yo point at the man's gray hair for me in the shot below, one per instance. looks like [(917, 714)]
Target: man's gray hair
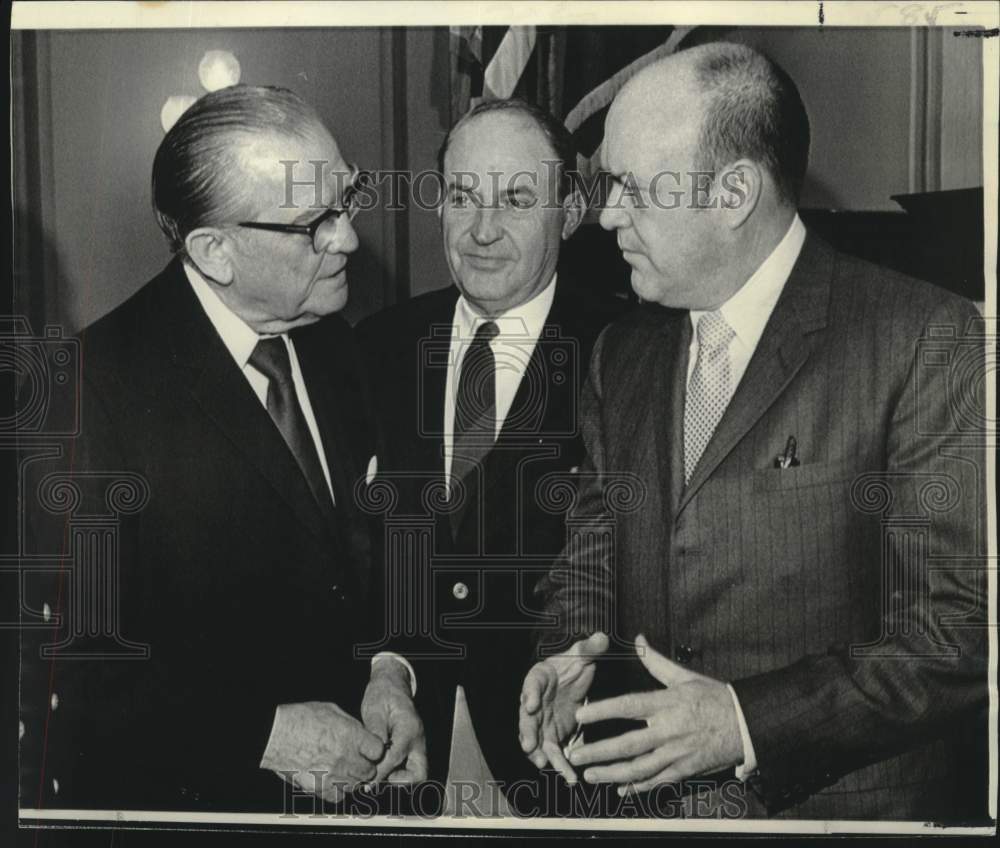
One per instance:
[(197, 173)]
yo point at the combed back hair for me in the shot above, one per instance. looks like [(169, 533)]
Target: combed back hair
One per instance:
[(560, 139), (197, 176), (753, 111)]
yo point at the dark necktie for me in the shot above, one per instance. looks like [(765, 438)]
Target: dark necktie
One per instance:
[(475, 408), (270, 357)]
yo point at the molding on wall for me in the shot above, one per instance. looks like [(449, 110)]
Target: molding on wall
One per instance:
[(945, 111), (925, 110), (395, 225), (35, 281)]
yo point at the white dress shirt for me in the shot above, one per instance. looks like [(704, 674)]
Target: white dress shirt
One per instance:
[(513, 346), (747, 312), (240, 340)]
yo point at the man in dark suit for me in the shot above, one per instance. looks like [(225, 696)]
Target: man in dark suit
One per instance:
[(807, 536), (224, 424), (476, 386)]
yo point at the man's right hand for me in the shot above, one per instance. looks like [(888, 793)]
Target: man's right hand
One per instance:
[(388, 711), (321, 749), (553, 691)]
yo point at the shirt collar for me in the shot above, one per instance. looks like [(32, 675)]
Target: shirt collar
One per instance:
[(238, 337), (747, 311), (524, 321)]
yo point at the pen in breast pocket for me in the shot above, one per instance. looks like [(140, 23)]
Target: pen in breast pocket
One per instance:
[(788, 458)]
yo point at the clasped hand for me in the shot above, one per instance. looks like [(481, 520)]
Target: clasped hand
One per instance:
[(388, 711), (321, 749)]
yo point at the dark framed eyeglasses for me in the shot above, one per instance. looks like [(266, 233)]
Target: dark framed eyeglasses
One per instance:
[(349, 206)]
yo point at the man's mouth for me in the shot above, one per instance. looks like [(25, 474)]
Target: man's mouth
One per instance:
[(484, 262), (335, 272)]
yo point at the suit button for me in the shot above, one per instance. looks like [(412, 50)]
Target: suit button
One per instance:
[(460, 591), (684, 654), (54, 702), (55, 786), (338, 593)]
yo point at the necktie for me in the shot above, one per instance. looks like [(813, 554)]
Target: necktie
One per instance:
[(475, 404), (270, 357), (709, 390)]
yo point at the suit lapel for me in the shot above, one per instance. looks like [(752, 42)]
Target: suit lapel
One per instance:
[(669, 382), (543, 380), (226, 398), (784, 346), (429, 390), (430, 351), (333, 398)]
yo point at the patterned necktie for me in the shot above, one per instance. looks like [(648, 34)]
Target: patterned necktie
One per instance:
[(270, 357), (709, 390), (475, 404)]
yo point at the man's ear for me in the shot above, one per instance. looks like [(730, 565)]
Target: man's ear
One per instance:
[(740, 186), (209, 248), (574, 208)]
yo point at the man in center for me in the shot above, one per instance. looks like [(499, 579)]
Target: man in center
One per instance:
[(477, 386)]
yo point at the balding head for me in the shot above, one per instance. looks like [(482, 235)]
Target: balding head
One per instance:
[(737, 104), (708, 150)]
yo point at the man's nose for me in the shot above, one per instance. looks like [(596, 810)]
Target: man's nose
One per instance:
[(339, 238), (486, 226), (613, 215)]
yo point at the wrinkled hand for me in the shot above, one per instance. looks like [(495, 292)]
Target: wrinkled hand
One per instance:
[(388, 711), (692, 729), (321, 749), (550, 696)]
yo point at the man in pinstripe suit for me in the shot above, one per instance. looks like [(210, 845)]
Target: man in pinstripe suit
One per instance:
[(808, 546)]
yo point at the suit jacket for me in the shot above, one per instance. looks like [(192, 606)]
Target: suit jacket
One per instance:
[(480, 607), (840, 596), (245, 593)]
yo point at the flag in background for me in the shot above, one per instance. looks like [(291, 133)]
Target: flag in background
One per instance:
[(574, 71)]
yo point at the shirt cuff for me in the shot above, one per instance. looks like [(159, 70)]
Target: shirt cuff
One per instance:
[(749, 765), (381, 655)]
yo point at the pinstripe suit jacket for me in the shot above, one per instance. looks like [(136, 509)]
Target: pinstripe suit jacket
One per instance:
[(840, 596)]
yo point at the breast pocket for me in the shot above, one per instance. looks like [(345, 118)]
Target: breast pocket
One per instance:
[(804, 476)]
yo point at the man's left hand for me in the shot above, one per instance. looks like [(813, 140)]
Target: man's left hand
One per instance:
[(692, 729), (388, 711)]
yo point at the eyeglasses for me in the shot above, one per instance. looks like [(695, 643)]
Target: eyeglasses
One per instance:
[(349, 206)]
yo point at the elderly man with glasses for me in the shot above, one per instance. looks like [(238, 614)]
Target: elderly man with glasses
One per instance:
[(229, 388)]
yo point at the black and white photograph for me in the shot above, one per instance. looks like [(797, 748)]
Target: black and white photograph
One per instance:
[(500, 419)]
